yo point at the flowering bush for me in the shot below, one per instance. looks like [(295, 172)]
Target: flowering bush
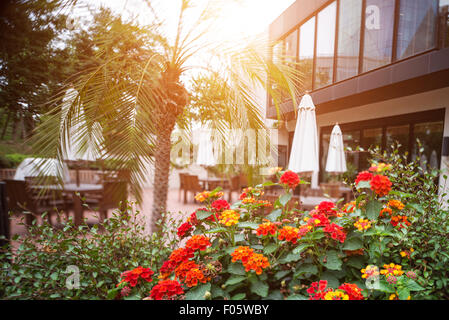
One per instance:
[(333, 252)]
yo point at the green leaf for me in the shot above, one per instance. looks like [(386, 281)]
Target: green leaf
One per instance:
[(297, 297), (331, 279), (412, 285), (353, 244), (285, 198), (239, 296), (274, 215), (233, 279), (113, 293), (198, 292), (201, 214), (357, 262), (363, 185), (403, 293), (239, 237), (270, 248), (290, 257), (248, 225), (217, 230), (260, 288), (306, 269), (237, 269), (373, 209), (300, 248), (274, 295), (280, 274), (333, 262)]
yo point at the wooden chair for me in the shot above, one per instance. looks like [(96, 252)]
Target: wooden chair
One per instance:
[(182, 185), (20, 200), (237, 184), (192, 185), (112, 196)]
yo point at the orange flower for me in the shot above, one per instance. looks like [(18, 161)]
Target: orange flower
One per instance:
[(203, 196), (266, 228), (180, 255), (183, 268), (387, 210), (242, 254), (289, 233), (256, 262), (198, 242), (229, 218), (400, 221), (396, 204), (166, 289), (193, 276)]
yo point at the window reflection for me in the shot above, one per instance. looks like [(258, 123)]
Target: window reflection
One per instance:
[(348, 39), (430, 134), (325, 46), (371, 138), (291, 46), (416, 30), (444, 23), (378, 33), (306, 50), (399, 134)]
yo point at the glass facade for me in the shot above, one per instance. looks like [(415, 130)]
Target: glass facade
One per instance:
[(416, 29), (325, 46), (306, 52), (370, 34), (400, 134), (378, 37), (444, 23), (430, 135), (348, 47)]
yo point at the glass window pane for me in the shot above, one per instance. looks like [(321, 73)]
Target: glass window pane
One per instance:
[(444, 23), (416, 30), (325, 46), (306, 50), (349, 39), (378, 33), (430, 134), (291, 42), (371, 139), (399, 134)]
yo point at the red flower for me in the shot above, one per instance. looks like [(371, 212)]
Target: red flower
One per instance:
[(363, 176), (167, 268), (354, 292), (183, 268), (198, 242), (289, 233), (184, 229), (336, 232), (291, 179), (318, 219), (327, 208), (220, 205), (266, 228), (318, 290), (400, 221), (193, 276), (132, 276), (381, 185), (166, 289)]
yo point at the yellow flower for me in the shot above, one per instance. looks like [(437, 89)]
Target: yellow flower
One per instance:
[(392, 297), (201, 197), (362, 224), (370, 271), (229, 218), (392, 270), (336, 295)]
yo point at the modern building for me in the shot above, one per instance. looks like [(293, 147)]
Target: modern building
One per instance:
[(378, 68)]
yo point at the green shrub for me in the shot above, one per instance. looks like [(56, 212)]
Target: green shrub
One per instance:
[(41, 265), (15, 159)]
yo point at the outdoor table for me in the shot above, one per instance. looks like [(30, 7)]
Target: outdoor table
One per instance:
[(77, 192), (206, 183)]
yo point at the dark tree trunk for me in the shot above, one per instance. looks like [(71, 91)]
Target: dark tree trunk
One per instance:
[(5, 126), (161, 174)]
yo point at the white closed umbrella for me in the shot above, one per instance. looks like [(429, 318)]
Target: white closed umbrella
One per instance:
[(304, 151), (336, 160), (33, 167), (205, 155)]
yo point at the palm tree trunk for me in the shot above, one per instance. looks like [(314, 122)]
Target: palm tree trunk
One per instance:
[(161, 173)]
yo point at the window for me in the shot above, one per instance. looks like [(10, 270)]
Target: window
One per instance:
[(399, 134), (306, 51), (416, 30), (444, 23), (430, 135), (291, 48), (371, 138), (348, 39), (325, 46), (378, 39)]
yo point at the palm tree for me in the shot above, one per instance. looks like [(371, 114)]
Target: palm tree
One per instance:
[(139, 99)]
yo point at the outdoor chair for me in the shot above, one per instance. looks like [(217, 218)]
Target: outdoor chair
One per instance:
[(113, 196), (20, 200), (237, 184), (192, 185), (182, 185)]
